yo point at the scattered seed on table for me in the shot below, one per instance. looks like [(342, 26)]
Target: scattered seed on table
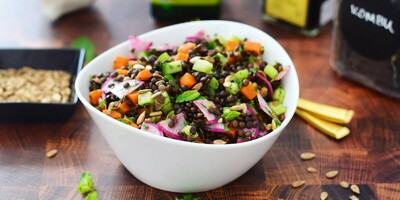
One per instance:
[(352, 197), (324, 195), (307, 156), (355, 189), (297, 184), (331, 174), (311, 169), (51, 153), (344, 184)]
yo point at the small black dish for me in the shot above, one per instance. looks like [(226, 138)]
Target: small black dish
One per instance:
[(69, 60)]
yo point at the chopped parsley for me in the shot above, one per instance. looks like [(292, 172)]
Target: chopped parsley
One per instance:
[(189, 95), (230, 115)]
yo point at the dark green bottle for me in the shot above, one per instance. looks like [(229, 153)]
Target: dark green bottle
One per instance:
[(183, 10)]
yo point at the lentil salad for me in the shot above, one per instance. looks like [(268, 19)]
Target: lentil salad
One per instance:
[(206, 90)]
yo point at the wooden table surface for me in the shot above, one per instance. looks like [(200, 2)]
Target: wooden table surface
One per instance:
[(368, 157)]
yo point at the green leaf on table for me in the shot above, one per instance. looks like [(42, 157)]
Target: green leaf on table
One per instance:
[(187, 197), (189, 95), (86, 183), (92, 196), (87, 44)]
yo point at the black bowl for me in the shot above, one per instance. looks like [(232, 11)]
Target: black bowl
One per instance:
[(69, 60)]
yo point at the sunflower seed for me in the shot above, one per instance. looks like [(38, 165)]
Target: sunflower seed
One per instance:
[(298, 183), (194, 59), (344, 184), (156, 95), (197, 86), (140, 119), (307, 156), (160, 82), (324, 195), (331, 174), (157, 75), (144, 91), (51, 153), (138, 66), (127, 78), (219, 141), (157, 113), (237, 107), (355, 189), (311, 169), (352, 197)]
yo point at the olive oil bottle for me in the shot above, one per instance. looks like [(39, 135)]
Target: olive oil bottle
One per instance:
[(305, 16), (183, 10)]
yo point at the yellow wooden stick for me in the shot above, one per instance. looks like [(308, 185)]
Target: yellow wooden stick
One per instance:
[(326, 112), (331, 129)]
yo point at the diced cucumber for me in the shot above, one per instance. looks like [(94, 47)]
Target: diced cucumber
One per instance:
[(163, 57), (145, 99), (226, 109), (167, 105), (221, 39), (186, 130), (233, 88), (270, 71), (143, 54), (172, 67), (170, 114), (203, 66), (221, 58), (242, 74), (277, 107), (279, 95), (213, 83), (236, 38)]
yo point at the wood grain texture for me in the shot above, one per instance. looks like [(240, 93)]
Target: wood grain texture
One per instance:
[(368, 157)]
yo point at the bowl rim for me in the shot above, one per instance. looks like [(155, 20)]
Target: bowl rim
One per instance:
[(288, 116)]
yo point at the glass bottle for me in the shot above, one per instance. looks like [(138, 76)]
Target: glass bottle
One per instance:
[(305, 16), (366, 43), (182, 10)]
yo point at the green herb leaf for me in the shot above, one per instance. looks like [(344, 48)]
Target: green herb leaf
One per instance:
[(251, 59), (125, 120), (87, 44), (92, 196), (145, 126), (171, 80), (254, 70), (230, 115), (187, 197), (102, 103), (252, 105), (155, 119), (200, 98), (86, 183), (189, 95), (210, 91)]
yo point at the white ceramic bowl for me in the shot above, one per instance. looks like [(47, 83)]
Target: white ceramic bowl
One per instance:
[(179, 166)]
